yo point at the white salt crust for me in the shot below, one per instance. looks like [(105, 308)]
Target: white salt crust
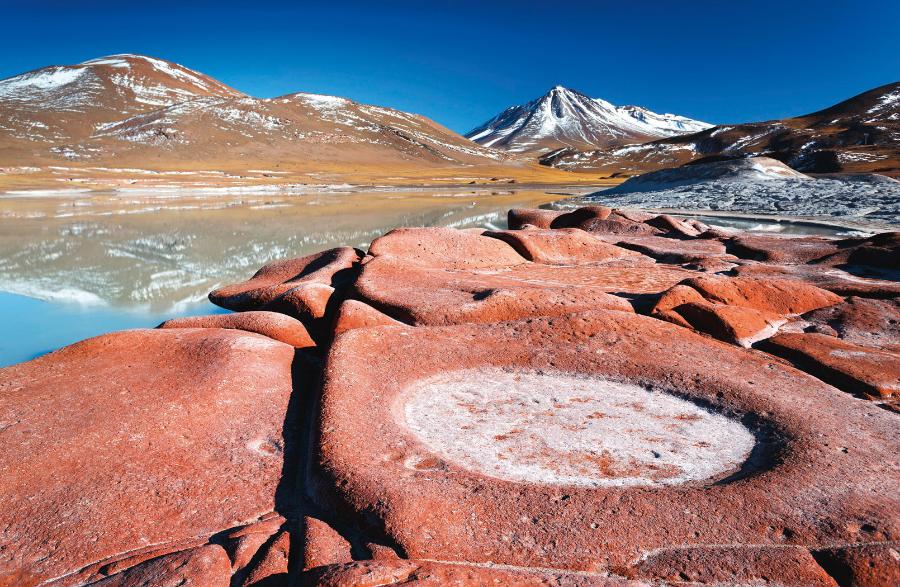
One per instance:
[(561, 429)]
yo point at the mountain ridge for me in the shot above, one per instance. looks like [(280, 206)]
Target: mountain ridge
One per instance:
[(859, 134), (134, 111)]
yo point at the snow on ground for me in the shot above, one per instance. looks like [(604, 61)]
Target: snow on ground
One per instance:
[(759, 188), (561, 429)]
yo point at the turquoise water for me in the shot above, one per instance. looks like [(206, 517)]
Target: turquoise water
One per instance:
[(34, 327)]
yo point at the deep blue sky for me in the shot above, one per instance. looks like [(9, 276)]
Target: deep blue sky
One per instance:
[(461, 62)]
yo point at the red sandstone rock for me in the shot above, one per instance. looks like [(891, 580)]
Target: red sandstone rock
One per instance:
[(432, 296), (734, 324), (734, 565), (207, 566), (322, 545), (712, 264), (781, 249), (516, 218), (476, 443), (619, 223), (676, 296), (863, 566), (579, 216), (331, 267), (714, 233), (881, 250), (381, 552), (562, 246), (311, 303), (670, 250), (353, 314), (634, 215), (271, 569), (853, 368), (244, 544), (139, 438), (832, 279), (414, 572), (272, 324), (444, 247), (674, 226), (768, 295), (861, 321)]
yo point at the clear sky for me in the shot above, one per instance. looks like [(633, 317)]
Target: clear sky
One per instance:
[(460, 62)]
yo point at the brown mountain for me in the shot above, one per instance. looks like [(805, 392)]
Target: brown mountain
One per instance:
[(861, 134), (90, 123)]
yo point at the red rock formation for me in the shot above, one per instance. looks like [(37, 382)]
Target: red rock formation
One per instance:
[(444, 247), (669, 250), (864, 565), (520, 426), (861, 321), (778, 249), (207, 566), (733, 565), (410, 573), (562, 246), (853, 368), (353, 314), (279, 277), (734, 324), (768, 295), (272, 324), (829, 470), (520, 217), (138, 438), (434, 295)]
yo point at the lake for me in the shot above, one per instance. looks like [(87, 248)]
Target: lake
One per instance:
[(79, 265)]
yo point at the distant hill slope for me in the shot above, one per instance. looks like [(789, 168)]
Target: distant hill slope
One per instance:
[(59, 103), (566, 118), (132, 111), (861, 134)]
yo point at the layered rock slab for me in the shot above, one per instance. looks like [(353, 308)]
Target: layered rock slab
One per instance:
[(805, 481), (436, 295), (861, 321), (206, 566), (276, 326), (307, 288), (562, 246), (856, 369), (412, 573), (136, 439)]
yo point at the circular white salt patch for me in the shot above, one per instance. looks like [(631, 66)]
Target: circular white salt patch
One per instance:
[(564, 429)]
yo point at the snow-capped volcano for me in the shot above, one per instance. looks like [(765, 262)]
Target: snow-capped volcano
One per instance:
[(566, 118), (860, 134)]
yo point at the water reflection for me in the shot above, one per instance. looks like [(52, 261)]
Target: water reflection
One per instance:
[(164, 252), (75, 267)]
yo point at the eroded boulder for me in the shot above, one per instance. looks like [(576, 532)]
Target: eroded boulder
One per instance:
[(856, 369), (507, 432), (137, 439), (562, 246), (444, 247), (275, 325), (432, 296)]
